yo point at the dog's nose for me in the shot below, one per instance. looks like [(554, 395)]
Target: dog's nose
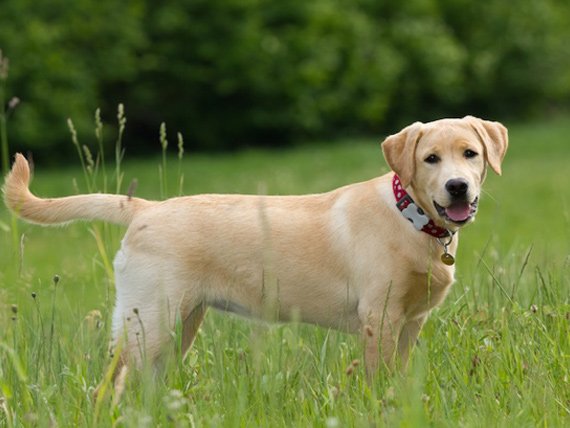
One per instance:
[(457, 187)]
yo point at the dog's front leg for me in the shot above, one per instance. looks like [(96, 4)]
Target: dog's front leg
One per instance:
[(408, 338), (380, 332)]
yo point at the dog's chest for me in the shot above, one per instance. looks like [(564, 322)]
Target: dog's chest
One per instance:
[(425, 290)]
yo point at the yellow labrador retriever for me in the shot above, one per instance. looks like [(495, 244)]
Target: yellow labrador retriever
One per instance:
[(371, 258)]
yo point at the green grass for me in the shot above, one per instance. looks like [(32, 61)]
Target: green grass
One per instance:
[(497, 353)]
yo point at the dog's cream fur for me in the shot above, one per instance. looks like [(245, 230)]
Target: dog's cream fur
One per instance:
[(346, 259)]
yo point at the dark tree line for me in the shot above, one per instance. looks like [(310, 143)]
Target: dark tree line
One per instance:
[(228, 73)]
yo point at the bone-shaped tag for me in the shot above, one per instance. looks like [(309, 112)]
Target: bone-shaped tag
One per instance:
[(412, 212)]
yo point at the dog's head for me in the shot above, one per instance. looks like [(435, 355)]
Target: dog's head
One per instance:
[(444, 164)]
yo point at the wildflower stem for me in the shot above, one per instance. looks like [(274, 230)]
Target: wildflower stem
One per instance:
[(3, 116), (52, 322), (3, 132), (4, 148)]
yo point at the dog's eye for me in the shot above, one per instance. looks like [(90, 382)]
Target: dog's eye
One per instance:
[(432, 159), (469, 154)]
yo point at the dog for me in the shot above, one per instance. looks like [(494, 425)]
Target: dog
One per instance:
[(371, 258)]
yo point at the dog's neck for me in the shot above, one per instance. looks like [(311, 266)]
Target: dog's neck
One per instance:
[(414, 213)]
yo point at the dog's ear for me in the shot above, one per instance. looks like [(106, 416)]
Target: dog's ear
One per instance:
[(495, 140), (400, 149)]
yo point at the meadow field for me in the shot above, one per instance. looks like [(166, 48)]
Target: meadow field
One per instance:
[(496, 353)]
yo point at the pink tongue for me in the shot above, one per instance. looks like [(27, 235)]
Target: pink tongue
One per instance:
[(458, 212)]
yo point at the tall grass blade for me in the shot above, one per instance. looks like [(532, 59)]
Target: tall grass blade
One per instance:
[(119, 151), (180, 157), (101, 155), (162, 176), (75, 142)]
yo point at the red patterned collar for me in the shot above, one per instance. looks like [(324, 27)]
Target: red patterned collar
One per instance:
[(414, 213)]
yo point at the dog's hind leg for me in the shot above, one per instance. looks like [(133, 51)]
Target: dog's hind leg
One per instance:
[(150, 297), (141, 315), (138, 345)]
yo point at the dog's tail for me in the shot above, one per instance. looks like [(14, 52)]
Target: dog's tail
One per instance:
[(118, 209)]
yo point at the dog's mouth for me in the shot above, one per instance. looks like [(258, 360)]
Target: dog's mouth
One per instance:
[(458, 212)]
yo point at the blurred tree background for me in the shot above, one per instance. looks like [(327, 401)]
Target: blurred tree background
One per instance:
[(230, 73)]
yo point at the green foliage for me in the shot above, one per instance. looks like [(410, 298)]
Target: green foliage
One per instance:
[(65, 57), (227, 73)]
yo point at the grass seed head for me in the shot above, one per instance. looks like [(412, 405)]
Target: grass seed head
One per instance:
[(475, 361), (163, 138), (73, 132), (352, 366), (132, 188), (121, 117), (13, 103), (4, 66), (180, 146), (14, 312), (93, 319), (98, 124), (88, 159)]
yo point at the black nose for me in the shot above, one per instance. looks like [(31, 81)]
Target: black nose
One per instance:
[(457, 187)]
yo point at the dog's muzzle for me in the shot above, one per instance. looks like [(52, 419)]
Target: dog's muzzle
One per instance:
[(459, 211)]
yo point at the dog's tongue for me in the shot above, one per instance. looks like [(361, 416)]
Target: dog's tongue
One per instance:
[(458, 212)]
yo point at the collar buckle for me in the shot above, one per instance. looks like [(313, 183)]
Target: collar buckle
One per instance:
[(404, 202)]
